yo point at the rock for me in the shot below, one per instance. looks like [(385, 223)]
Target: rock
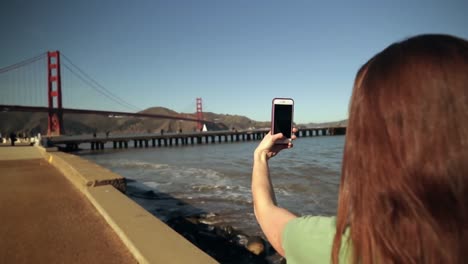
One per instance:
[(220, 242), (148, 195), (229, 230), (192, 220), (255, 245), (207, 215), (174, 214), (242, 240)]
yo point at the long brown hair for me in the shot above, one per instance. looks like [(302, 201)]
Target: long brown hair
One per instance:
[(404, 185)]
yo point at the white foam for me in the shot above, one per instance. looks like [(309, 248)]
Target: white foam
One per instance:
[(132, 164), (153, 185)]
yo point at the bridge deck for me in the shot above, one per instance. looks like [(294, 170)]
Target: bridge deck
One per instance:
[(167, 139)]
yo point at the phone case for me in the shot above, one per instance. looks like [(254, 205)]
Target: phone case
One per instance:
[(285, 141)]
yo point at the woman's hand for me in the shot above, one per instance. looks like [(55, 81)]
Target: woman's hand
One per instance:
[(268, 149)]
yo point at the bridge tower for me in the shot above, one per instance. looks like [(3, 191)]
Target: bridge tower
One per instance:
[(54, 94), (199, 114)]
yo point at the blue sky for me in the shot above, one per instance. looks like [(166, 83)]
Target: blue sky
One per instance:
[(236, 55)]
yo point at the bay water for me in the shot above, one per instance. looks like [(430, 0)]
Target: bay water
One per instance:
[(214, 179)]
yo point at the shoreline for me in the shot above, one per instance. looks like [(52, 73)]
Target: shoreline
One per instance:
[(147, 238), (221, 242)]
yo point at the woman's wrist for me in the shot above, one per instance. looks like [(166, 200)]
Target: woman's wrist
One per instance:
[(260, 155)]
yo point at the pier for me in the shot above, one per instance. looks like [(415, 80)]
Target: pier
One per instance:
[(176, 139)]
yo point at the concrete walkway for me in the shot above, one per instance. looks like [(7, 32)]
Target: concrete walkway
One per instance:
[(44, 219)]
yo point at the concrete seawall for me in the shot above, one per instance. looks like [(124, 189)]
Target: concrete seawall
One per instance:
[(45, 219), (148, 239)]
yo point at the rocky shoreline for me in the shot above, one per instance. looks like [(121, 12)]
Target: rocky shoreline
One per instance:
[(222, 242)]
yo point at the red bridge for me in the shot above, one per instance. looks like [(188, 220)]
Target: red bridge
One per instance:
[(22, 91), (25, 80)]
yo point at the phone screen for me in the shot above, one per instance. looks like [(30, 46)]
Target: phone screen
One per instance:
[(282, 122)]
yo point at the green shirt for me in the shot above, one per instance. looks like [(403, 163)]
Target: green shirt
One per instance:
[(309, 239)]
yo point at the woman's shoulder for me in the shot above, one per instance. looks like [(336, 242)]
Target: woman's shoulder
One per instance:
[(310, 228), (311, 221), (309, 239)]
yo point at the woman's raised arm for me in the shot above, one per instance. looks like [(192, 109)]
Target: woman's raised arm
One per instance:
[(272, 219)]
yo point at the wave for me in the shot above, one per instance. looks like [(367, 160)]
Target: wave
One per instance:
[(197, 173), (148, 170), (202, 187), (155, 185), (132, 164)]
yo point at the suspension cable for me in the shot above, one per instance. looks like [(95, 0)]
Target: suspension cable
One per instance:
[(91, 85), (21, 64), (98, 87)]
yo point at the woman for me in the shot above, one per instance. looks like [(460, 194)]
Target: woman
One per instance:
[(403, 196)]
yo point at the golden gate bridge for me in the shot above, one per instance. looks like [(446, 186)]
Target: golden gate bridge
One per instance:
[(31, 87)]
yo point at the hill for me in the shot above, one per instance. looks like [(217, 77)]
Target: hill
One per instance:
[(342, 123), (76, 124)]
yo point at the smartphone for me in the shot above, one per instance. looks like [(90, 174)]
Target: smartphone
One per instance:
[(282, 118)]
